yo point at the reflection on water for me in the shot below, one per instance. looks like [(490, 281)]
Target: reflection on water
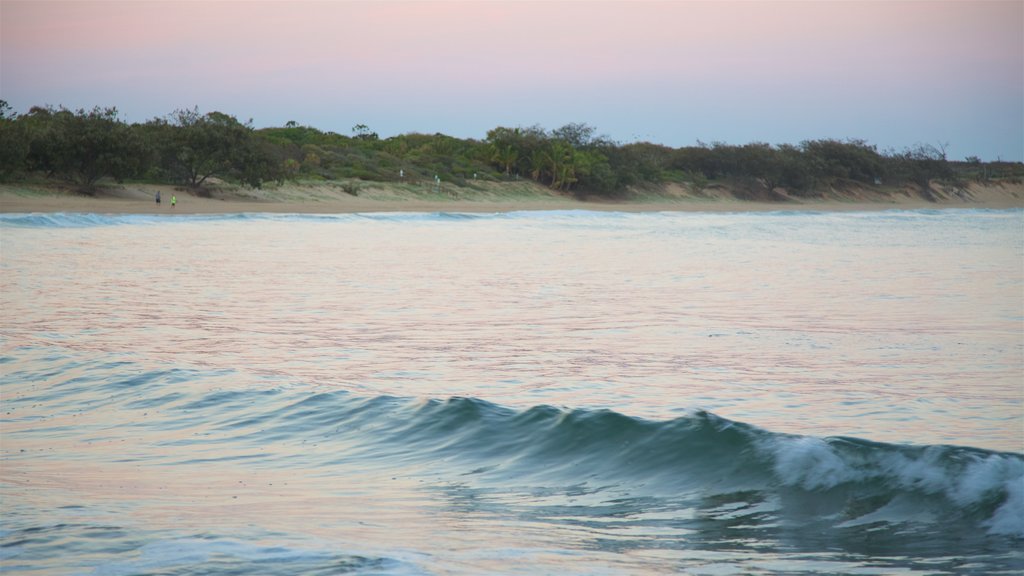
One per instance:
[(905, 330), (257, 394)]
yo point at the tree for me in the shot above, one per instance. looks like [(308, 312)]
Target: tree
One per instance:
[(555, 165), (505, 156), (795, 173), (594, 175), (850, 159), (921, 164), (759, 160), (576, 134), (362, 132), (13, 142), (505, 145), (82, 147), (516, 149), (197, 147)]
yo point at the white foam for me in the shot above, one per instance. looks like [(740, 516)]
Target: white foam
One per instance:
[(1008, 519), (810, 463), (924, 473), (813, 464)]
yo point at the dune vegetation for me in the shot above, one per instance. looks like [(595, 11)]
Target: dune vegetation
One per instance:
[(188, 148)]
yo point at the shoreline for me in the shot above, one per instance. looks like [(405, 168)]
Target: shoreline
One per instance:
[(329, 199)]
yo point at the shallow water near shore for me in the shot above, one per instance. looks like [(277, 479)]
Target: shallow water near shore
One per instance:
[(531, 392)]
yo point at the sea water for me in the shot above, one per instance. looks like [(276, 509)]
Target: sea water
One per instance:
[(518, 393)]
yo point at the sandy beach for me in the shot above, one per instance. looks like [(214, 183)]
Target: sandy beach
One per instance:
[(323, 198)]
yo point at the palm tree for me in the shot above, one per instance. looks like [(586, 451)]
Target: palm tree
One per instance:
[(559, 158), (540, 161), (505, 155)]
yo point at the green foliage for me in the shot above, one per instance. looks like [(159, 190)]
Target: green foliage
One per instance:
[(362, 132), (920, 165), (974, 169), (6, 112), (571, 159), (81, 147), (852, 160), (792, 172), (192, 148), (195, 147), (577, 135), (13, 143), (803, 170)]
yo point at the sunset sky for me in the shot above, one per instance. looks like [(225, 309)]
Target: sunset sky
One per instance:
[(672, 72)]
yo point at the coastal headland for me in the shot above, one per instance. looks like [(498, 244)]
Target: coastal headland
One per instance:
[(484, 196)]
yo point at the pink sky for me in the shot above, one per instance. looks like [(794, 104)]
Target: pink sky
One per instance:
[(892, 73)]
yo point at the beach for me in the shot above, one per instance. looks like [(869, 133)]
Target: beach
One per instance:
[(514, 288), (331, 198)]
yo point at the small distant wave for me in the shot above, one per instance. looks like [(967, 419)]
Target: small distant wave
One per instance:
[(87, 220), (92, 220), (577, 217), (59, 220)]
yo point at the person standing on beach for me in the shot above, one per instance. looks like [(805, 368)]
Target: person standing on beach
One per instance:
[(174, 200), (157, 196)]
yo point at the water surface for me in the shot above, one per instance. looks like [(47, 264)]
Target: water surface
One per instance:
[(556, 392)]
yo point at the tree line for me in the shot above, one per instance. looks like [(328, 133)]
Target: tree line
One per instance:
[(190, 148)]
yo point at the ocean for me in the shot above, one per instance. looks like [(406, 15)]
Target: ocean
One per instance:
[(563, 392)]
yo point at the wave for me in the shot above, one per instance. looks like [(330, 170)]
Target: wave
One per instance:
[(87, 220), (695, 482), (832, 481), (849, 480), (93, 220)]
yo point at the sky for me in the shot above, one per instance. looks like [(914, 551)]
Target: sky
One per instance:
[(896, 74)]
